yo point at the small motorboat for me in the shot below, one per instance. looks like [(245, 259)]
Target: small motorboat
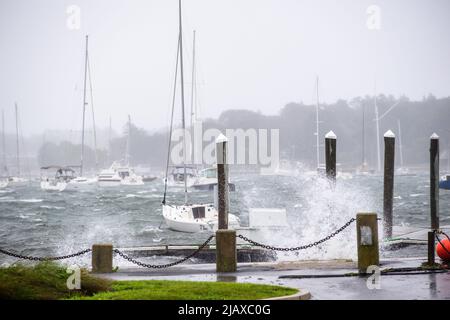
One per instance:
[(207, 179), (81, 183), (129, 177), (59, 182), (4, 183), (18, 181), (444, 183), (176, 176), (148, 178), (109, 177), (118, 175), (195, 218)]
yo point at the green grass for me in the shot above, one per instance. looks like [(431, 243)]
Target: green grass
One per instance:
[(189, 290), (47, 281)]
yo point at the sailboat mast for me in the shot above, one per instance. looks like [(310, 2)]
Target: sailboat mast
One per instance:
[(317, 123), (363, 136), (93, 113), (84, 106), (182, 100), (127, 155), (377, 123), (109, 141), (400, 143), (193, 111), (3, 143), (17, 141)]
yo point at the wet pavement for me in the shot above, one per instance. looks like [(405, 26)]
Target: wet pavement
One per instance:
[(323, 279)]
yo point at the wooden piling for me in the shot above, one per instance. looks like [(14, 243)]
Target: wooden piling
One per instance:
[(434, 181), (226, 254), (367, 241), (102, 258), (330, 155), (388, 194), (431, 247), (222, 181)]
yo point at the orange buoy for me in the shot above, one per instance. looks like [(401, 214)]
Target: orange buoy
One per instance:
[(443, 249)]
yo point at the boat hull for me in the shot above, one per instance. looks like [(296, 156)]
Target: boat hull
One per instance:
[(4, 184), (81, 184), (444, 184), (109, 183), (180, 218), (53, 186)]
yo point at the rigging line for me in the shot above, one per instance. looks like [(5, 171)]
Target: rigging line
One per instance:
[(392, 107), (21, 140), (182, 101), (93, 114), (193, 84), (84, 106), (171, 120), (5, 166)]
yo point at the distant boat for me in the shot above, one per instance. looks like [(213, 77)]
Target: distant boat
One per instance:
[(4, 181), (188, 217), (82, 182), (17, 180), (402, 170), (148, 178), (119, 175), (207, 179), (444, 183), (109, 177), (176, 177), (58, 182)]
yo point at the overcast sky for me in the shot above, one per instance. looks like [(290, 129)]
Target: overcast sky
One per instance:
[(252, 54)]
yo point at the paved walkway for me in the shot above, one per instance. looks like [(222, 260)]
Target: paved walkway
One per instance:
[(323, 279)]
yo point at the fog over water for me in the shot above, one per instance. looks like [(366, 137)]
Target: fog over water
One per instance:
[(301, 67), (256, 55)]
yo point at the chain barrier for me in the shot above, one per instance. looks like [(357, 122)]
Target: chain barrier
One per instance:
[(300, 247), (167, 265), (20, 256)]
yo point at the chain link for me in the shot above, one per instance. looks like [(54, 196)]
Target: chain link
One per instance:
[(162, 266), (300, 247), (20, 256)]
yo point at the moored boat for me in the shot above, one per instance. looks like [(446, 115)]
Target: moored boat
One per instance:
[(444, 183)]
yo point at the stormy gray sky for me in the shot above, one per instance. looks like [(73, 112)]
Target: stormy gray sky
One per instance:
[(253, 54)]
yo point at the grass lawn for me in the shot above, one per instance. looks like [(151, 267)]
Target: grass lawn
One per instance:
[(189, 290), (47, 281)]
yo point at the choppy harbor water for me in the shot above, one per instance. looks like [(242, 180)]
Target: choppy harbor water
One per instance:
[(35, 222)]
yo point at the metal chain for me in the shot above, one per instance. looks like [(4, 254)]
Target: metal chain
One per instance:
[(20, 256), (300, 247), (162, 266)]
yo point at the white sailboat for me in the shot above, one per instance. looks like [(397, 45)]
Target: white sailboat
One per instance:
[(188, 217), (320, 167), (18, 180), (127, 173), (363, 169), (82, 182), (401, 171), (121, 174)]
